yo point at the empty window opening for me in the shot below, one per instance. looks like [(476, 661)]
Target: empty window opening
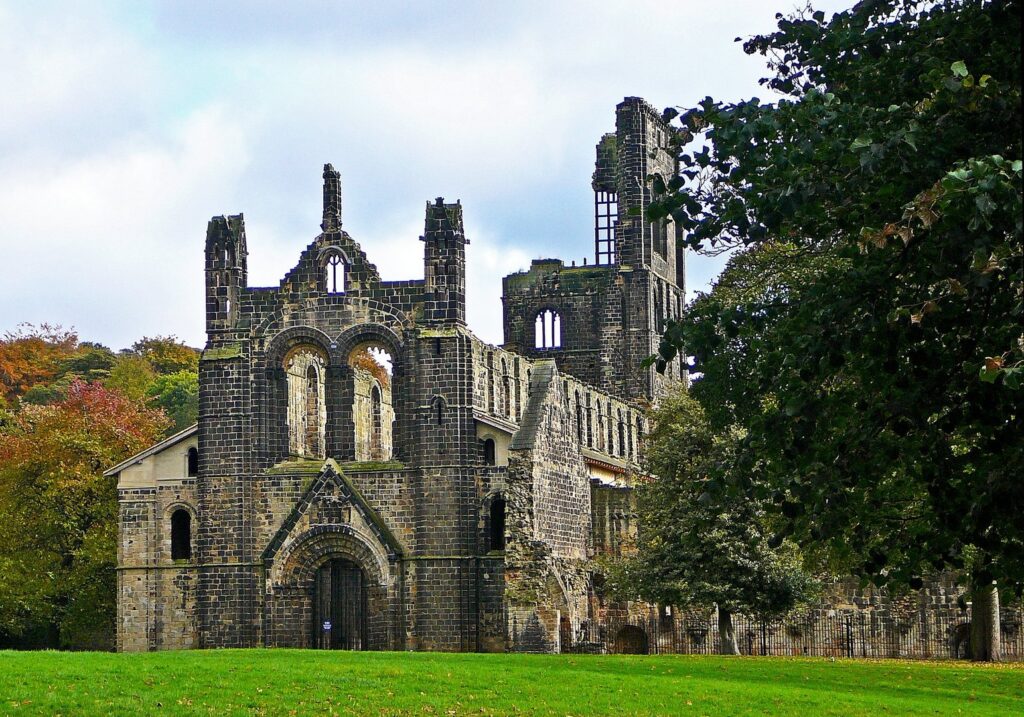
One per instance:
[(307, 411), (622, 436), (497, 537), (579, 419), (373, 410), (335, 273), (489, 455), (548, 330), (506, 390), (192, 462), (437, 346), (606, 216), (439, 411), (181, 535)]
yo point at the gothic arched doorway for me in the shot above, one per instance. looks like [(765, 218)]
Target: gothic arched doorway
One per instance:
[(339, 606)]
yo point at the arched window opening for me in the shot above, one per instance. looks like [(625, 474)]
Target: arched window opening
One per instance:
[(307, 412), (439, 411), (590, 425), (489, 454), (548, 330), (335, 273), (376, 453), (579, 419), (192, 462), (611, 430), (600, 429), (506, 390), (497, 532), (490, 382), (181, 535), (372, 404), (622, 435)]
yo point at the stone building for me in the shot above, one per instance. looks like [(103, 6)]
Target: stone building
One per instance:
[(368, 474)]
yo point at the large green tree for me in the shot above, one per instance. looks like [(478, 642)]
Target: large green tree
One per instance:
[(880, 393), (697, 546)]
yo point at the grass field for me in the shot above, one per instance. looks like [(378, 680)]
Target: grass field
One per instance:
[(307, 682)]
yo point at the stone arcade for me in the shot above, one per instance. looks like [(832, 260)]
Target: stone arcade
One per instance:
[(368, 474)]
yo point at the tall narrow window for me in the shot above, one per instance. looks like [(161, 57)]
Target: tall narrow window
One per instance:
[(181, 535), (438, 404), (497, 541), (506, 390), (579, 419), (622, 435), (307, 414), (376, 442), (548, 330), (489, 452), (606, 216), (193, 462), (335, 278)]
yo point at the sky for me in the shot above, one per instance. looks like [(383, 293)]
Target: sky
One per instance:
[(125, 126)]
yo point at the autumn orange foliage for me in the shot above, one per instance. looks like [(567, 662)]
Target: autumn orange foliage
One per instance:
[(30, 355)]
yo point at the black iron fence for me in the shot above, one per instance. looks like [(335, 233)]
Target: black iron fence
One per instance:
[(831, 633)]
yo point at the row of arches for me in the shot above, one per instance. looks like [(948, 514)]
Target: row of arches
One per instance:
[(602, 427), (504, 386), (371, 408)]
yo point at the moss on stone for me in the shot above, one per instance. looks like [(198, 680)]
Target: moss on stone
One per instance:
[(370, 466), (220, 353)]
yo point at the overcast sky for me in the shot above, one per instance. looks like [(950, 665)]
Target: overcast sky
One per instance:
[(125, 126)]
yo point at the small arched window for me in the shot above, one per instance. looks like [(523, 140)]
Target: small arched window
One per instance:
[(438, 406), (489, 452), (548, 330), (497, 536), (335, 270), (192, 463), (181, 535)]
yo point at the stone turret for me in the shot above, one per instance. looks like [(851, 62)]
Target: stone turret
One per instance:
[(444, 259)]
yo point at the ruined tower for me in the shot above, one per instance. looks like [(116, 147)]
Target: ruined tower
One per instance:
[(600, 321)]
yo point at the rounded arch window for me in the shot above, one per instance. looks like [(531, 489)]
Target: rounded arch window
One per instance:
[(181, 535), (192, 462), (372, 409), (305, 368), (489, 452), (547, 330)]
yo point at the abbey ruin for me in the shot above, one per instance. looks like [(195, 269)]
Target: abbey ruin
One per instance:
[(368, 474)]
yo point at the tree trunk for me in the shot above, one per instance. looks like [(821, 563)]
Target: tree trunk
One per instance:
[(985, 638), (726, 633)]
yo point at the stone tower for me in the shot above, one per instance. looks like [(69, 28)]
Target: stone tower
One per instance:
[(600, 321)]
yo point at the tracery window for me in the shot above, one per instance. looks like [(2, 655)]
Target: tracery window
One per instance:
[(335, 270), (548, 330)]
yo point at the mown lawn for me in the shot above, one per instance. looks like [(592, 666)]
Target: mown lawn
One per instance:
[(308, 682)]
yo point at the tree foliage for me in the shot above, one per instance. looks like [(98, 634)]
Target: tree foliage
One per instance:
[(32, 355), (697, 545), (880, 391), (58, 536)]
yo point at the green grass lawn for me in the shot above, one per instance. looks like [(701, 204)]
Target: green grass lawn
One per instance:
[(309, 682)]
